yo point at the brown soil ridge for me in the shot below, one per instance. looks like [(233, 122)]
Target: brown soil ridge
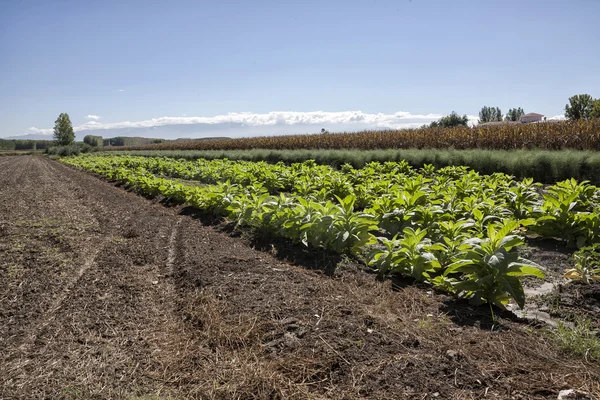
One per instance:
[(167, 308)]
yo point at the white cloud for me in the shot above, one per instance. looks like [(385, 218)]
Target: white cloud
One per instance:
[(397, 120), (121, 90), (344, 120), (558, 117), (34, 130)]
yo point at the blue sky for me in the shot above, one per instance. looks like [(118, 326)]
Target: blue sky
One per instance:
[(400, 63)]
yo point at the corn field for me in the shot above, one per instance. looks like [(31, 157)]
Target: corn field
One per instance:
[(578, 135)]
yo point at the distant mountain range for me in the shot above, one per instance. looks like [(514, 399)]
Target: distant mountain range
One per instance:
[(199, 131)]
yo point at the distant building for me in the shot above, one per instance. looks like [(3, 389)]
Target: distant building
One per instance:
[(532, 117)]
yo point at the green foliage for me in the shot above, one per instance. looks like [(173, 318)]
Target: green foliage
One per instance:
[(514, 114), (94, 141), (451, 227), (489, 114), (580, 106), (335, 227), (491, 268), (19, 144), (71, 150), (579, 339), (570, 212), (541, 165), (121, 141), (595, 113), (408, 255), (587, 265), (63, 130), (451, 121)]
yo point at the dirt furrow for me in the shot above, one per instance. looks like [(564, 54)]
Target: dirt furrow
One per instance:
[(58, 204), (33, 333)]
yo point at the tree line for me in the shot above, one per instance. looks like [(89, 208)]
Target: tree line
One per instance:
[(580, 106), (64, 135), (25, 144)]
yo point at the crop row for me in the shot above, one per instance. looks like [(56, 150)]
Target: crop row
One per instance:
[(545, 166), (452, 227), (579, 135)]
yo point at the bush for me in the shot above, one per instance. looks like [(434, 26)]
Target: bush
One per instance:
[(94, 141), (70, 150)]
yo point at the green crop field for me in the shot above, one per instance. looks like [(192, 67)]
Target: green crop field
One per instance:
[(452, 227)]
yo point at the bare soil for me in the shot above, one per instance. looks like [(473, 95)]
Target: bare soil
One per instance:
[(107, 295), (567, 301)]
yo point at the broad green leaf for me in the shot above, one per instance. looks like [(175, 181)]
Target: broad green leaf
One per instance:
[(514, 288), (524, 270)]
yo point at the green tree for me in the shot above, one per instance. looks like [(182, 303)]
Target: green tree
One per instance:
[(451, 120), (596, 109), (580, 107), (514, 114), (94, 141), (489, 114), (63, 130)]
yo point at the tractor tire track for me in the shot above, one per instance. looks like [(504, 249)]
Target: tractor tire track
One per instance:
[(51, 313)]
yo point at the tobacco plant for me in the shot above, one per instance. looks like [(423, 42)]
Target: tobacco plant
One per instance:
[(490, 270), (408, 255)]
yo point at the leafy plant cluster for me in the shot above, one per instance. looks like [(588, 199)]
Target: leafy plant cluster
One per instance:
[(70, 150), (451, 227), (587, 265)]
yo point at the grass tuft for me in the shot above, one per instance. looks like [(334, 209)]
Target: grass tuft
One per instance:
[(580, 339)]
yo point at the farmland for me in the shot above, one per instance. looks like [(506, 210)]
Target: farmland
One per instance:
[(112, 295), (439, 226), (577, 135)]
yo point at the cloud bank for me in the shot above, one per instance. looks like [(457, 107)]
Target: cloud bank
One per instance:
[(246, 123), (560, 117)]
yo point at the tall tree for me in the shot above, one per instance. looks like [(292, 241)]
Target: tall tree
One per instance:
[(489, 114), (63, 130), (580, 107), (514, 114)]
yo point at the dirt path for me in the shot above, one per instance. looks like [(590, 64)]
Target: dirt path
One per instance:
[(106, 295)]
